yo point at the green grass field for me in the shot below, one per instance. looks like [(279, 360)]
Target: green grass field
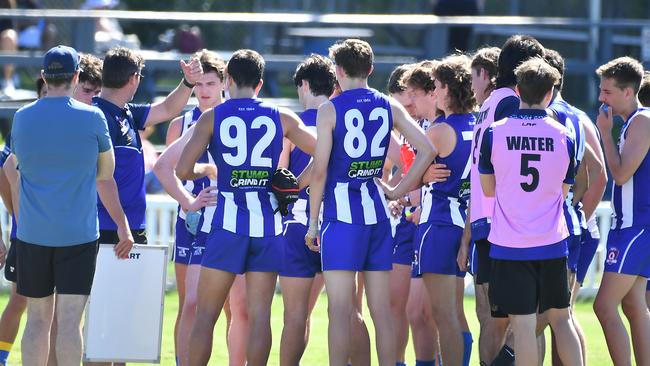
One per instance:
[(316, 353)]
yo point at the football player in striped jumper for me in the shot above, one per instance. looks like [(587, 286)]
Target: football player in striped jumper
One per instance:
[(443, 205), (627, 265), (244, 136), (409, 300), (527, 163), (192, 196), (353, 135), (501, 103), (300, 278), (591, 179)]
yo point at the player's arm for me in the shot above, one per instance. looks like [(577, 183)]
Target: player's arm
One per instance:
[(462, 258), (325, 122), (485, 167), (570, 178), (165, 168), (393, 153), (637, 142), (174, 103), (187, 168), (13, 179), (582, 178), (426, 151), (107, 191), (174, 130), (595, 170), (285, 155)]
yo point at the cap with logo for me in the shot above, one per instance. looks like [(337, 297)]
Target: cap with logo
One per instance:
[(60, 62)]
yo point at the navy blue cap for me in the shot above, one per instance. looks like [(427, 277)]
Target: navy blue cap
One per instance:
[(60, 61)]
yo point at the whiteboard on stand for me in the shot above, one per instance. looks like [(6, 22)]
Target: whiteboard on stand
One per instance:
[(125, 308)]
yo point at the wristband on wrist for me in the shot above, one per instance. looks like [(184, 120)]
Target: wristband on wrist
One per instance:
[(187, 83)]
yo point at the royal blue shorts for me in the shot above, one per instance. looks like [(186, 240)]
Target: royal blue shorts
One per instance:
[(628, 251), (183, 244), (574, 244), (351, 247), (403, 243), (587, 253), (239, 254), (198, 248), (299, 261), (473, 258), (438, 249)]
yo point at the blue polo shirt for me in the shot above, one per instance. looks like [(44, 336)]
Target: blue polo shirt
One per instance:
[(123, 126), (57, 141)]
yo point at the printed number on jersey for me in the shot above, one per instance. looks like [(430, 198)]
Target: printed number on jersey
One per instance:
[(238, 141), (355, 143)]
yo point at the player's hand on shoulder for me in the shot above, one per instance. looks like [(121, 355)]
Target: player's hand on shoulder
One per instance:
[(436, 173), (123, 248)]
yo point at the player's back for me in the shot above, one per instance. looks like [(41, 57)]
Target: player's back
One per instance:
[(447, 201), (359, 145), (298, 161), (631, 201), (246, 146), (531, 155), (482, 205)]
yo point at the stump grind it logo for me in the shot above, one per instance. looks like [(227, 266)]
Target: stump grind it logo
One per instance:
[(612, 256)]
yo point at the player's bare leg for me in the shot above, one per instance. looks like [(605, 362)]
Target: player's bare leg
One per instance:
[(635, 311), (613, 288), (400, 278), (378, 295), (340, 287), (260, 288), (180, 270), (568, 345), (188, 312), (295, 296), (213, 289), (442, 293), (423, 327), (238, 328)]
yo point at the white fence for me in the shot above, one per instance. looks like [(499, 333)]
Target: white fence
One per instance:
[(161, 219)]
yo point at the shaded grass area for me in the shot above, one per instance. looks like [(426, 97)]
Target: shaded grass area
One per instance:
[(316, 353)]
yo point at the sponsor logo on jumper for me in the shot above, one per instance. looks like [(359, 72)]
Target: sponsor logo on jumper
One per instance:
[(365, 169), (249, 178), (612, 256)]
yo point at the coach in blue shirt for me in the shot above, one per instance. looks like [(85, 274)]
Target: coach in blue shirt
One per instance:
[(65, 158)]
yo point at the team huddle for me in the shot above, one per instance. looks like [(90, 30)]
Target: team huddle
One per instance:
[(474, 163)]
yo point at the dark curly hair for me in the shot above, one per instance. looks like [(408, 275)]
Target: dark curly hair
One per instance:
[(319, 72), (644, 90), (455, 72), (394, 85)]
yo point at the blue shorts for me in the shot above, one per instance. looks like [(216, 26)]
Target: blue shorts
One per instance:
[(587, 253), (574, 243), (183, 243), (299, 261), (480, 228), (628, 252), (438, 248), (198, 248), (473, 258), (239, 254), (403, 243), (351, 247)]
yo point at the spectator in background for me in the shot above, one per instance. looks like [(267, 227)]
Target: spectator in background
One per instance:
[(108, 32), (8, 43), (458, 37)]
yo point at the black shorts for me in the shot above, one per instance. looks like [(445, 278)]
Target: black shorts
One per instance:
[(484, 262), (110, 236), (69, 270), (10, 264), (529, 287)]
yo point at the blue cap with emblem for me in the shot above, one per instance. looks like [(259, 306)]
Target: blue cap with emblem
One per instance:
[(60, 62)]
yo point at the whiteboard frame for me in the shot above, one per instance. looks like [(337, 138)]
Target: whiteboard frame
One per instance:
[(157, 360)]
